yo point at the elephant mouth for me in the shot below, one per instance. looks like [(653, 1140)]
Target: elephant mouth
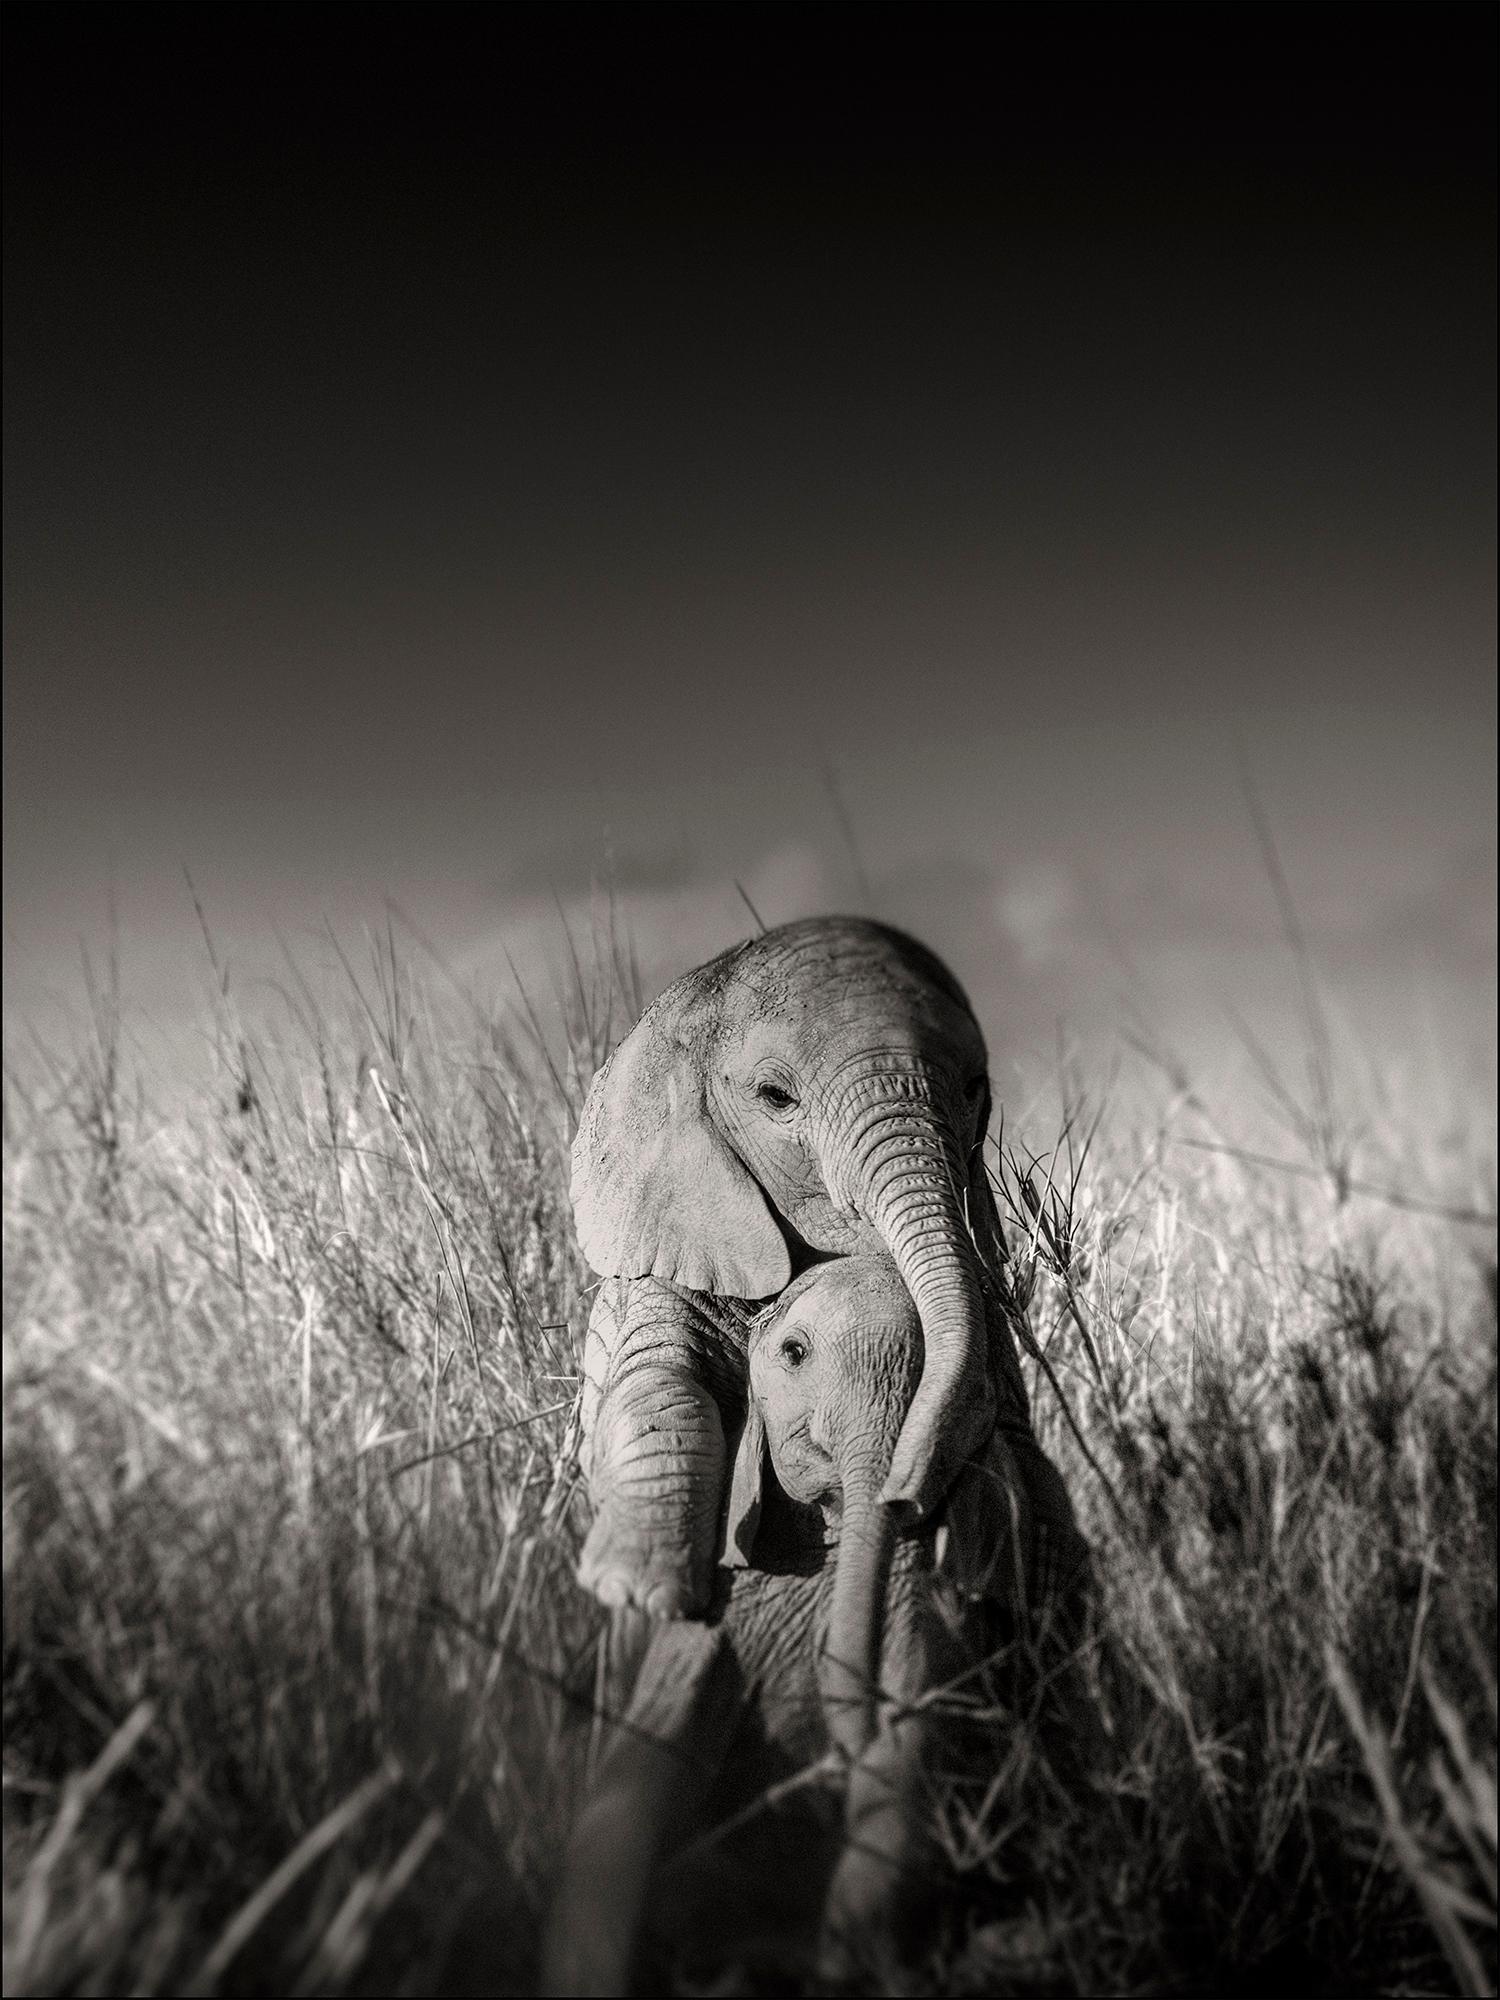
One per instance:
[(804, 1254), (823, 1231)]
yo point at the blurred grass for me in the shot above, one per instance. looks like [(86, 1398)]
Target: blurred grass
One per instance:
[(299, 1689)]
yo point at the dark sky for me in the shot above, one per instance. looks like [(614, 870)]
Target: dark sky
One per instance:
[(450, 447)]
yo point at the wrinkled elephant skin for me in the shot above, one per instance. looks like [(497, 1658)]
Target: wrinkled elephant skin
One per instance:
[(818, 1091)]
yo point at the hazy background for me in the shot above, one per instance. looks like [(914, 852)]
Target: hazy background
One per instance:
[(465, 457)]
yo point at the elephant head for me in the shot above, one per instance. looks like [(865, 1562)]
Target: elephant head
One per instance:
[(833, 1364), (819, 1089)]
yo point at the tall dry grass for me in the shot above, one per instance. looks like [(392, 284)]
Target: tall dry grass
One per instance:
[(299, 1691)]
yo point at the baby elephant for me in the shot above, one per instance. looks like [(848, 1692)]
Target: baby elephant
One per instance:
[(828, 1626)]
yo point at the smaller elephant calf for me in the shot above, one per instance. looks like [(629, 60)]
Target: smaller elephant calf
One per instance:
[(829, 1625)]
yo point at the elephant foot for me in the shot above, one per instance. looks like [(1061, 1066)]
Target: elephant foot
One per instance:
[(626, 1563)]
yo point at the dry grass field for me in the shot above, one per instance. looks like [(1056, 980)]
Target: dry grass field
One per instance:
[(299, 1692)]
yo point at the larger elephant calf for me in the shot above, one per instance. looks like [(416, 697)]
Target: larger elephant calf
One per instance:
[(816, 1092)]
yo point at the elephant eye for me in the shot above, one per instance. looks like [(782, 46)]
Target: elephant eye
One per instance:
[(794, 1350), (974, 1090), (773, 1095)]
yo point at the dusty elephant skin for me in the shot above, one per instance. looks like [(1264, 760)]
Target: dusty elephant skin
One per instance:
[(818, 1091), (803, 1656)]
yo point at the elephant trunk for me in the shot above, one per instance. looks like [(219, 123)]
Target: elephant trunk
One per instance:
[(851, 1661), (909, 1179)]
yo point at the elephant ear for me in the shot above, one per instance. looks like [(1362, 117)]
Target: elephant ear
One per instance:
[(657, 1189), (987, 1514), (1011, 1535), (746, 1486)]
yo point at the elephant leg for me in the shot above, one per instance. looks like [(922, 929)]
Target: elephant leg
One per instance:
[(648, 1791), (658, 1373)]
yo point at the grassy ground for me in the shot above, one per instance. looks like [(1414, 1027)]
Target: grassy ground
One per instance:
[(298, 1688)]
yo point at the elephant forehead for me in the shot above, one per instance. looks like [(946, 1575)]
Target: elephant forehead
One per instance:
[(865, 1290), (828, 954), (827, 1035)]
